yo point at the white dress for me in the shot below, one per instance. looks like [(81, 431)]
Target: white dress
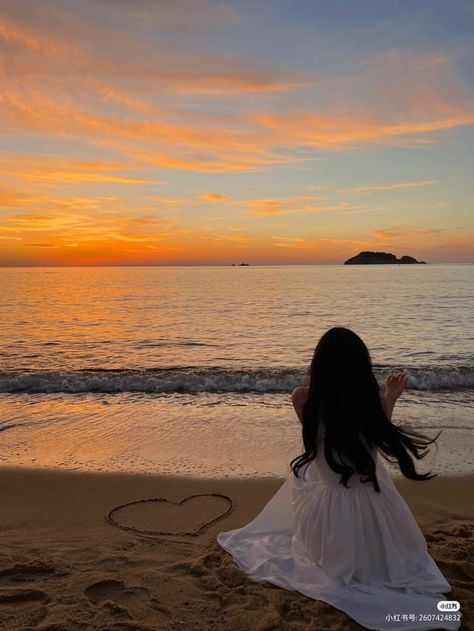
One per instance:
[(353, 548)]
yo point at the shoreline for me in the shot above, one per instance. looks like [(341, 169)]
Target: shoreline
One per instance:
[(64, 566)]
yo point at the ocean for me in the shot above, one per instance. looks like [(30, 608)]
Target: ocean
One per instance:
[(189, 370)]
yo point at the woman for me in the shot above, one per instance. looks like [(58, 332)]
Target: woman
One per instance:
[(338, 530)]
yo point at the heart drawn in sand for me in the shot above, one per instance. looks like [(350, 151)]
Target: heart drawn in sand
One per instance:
[(161, 516)]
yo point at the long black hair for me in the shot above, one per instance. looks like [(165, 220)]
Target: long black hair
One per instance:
[(344, 402)]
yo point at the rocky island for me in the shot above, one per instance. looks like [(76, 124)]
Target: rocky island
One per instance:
[(377, 258)]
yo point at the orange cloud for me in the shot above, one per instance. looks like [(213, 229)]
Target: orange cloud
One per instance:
[(210, 149), (165, 200), (285, 206), (69, 45), (72, 222), (41, 245), (207, 160), (214, 197), (306, 243), (309, 129), (61, 177), (240, 238), (387, 187), (8, 198), (398, 98), (407, 232), (57, 170), (14, 33), (219, 149), (173, 137)]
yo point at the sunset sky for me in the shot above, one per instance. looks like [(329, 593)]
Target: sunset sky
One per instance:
[(149, 132)]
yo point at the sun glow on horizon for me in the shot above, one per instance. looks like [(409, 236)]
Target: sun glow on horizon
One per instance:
[(212, 133)]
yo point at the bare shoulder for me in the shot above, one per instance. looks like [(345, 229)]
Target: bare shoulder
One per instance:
[(300, 393), (299, 396)]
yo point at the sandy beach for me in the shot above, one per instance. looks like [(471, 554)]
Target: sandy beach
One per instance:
[(65, 567)]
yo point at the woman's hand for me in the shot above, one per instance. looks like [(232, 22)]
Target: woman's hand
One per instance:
[(395, 385)]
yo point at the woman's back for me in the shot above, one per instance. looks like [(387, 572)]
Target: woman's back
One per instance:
[(319, 471), (354, 533)]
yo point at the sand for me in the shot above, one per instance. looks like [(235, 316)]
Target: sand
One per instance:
[(64, 567)]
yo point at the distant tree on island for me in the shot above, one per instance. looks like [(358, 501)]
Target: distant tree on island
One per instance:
[(377, 258)]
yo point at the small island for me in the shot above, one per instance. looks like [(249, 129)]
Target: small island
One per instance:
[(240, 264), (377, 258)]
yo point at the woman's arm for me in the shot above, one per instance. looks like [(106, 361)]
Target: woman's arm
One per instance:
[(394, 386)]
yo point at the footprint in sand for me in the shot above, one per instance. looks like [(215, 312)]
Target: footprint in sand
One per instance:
[(222, 580), (123, 602), (452, 547), (26, 572), (20, 608), (453, 528), (448, 549)]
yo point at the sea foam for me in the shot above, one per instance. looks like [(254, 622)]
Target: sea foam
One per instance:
[(210, 379)]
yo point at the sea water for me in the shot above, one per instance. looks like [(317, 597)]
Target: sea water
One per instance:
[(189, 370)]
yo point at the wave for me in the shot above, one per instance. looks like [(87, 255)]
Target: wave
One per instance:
[(194, 380)]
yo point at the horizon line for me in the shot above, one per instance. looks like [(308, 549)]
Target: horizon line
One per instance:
[(235, 265)]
